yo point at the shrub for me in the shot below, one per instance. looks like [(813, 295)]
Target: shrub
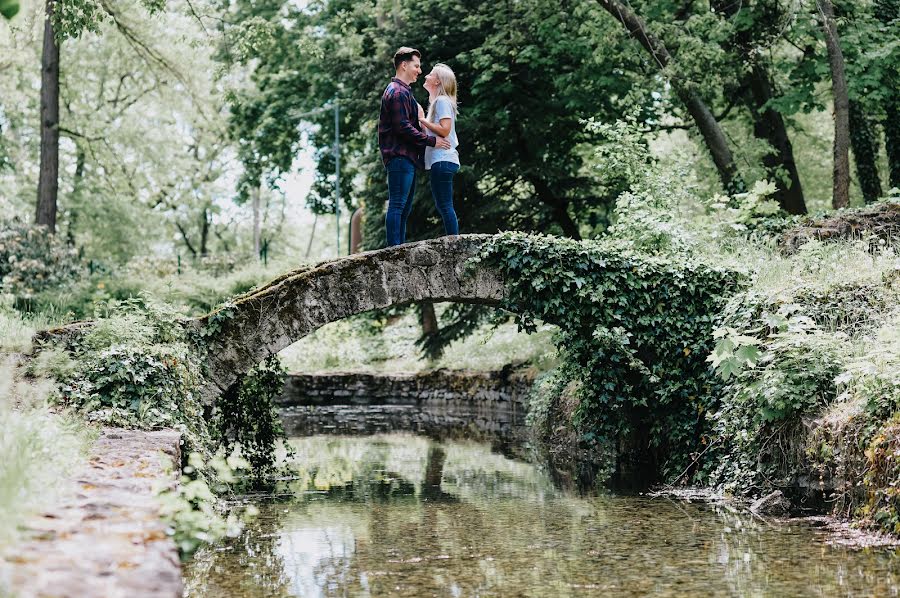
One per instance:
[(136, 368), (33, 260)]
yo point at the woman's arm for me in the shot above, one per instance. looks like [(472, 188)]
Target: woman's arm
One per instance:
[(441, 129)]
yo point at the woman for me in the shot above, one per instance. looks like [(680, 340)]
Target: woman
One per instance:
[(440, 84)]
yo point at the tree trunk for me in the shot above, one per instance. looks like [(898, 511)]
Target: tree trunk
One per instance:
[(841, 178), (72, 219), (559, 207), (256, 222), (885, 11), (864, 143), (204, 233), (892, 137), (428, 318), (712, 133), (48, 178), (768, 124)]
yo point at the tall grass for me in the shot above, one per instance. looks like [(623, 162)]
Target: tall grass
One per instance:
[(38, 448)]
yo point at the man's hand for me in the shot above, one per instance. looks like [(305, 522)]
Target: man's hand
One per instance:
[(442, 143)]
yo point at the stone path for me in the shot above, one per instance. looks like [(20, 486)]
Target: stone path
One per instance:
[(105, 539)]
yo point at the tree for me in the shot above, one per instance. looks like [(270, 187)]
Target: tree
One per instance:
[(709, 128), (63, 19), (864, 143), (529, 74), (841, 176), (143, 148), (756, 26), (887, 12), (48, 178)]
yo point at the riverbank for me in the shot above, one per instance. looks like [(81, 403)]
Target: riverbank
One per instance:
[(105, 536)]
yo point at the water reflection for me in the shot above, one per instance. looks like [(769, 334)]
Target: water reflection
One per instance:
[(402, 515)]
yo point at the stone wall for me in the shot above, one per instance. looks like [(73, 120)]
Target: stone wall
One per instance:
[(456, 389), (105, 537), (489, 406)]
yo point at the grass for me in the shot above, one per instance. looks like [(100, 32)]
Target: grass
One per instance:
[(353, 345), (39, 447)]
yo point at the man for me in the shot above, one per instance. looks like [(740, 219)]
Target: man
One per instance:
[(402, 141)]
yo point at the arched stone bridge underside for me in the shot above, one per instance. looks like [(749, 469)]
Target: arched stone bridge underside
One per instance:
[(275, 316)]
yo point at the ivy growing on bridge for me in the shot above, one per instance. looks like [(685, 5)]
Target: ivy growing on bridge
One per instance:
[(634, 333)]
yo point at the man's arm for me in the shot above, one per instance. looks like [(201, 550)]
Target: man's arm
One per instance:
[(401, 124)]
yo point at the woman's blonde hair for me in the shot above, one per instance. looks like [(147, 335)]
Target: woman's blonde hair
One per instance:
[(446, 86)]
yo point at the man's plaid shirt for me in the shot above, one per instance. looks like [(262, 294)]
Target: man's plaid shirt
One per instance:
[(399, 131)]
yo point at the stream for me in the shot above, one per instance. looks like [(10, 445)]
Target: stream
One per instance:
[(405, 514)]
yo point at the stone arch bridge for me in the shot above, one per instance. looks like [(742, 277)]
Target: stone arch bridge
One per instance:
[(269, 319)]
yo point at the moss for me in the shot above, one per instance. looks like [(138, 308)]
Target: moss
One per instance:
[(882, 478)]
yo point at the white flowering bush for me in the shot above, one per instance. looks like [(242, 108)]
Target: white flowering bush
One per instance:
[(33, 260)]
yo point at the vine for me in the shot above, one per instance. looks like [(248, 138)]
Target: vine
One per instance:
[(635, 330)]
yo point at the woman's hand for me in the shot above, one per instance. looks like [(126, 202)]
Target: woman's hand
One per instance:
[(421, 113)]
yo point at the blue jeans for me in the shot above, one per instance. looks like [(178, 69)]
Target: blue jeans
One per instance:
[(442, 191), (401, 187)]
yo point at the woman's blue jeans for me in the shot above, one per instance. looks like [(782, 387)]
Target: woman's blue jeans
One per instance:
[(401, 187), (442, 191)]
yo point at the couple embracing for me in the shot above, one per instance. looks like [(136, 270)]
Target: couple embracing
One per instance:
[(410, 139)]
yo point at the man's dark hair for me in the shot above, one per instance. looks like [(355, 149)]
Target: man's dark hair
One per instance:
[(404, 54)]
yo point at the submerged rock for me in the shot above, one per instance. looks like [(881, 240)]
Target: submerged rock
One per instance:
[(774, 503)]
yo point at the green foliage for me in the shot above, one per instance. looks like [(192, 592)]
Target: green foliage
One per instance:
[(33, 260), (501, 54), (746, 211), (634, 332), (73, 17), (39, 448), (191, 509), (248, 416), (136, 368), (9, 8), (818, 334), (882, 505)]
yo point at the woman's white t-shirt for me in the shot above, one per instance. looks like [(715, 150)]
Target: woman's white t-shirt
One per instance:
[(442, 109)]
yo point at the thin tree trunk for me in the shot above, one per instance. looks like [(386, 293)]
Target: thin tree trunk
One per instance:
[(186, 239), (428, 318), (841, 178), (48, 178), (72, 219), (204, 233), (864, 143), (712, 133), (256, 222), (885, 11)]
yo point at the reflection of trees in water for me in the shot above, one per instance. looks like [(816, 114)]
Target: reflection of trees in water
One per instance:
[(434, 475), (405, 516), (248, 565)]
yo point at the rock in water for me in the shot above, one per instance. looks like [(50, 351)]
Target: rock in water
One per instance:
[(774, 503)]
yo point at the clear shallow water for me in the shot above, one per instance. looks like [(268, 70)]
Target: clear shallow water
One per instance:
[(402, 515)]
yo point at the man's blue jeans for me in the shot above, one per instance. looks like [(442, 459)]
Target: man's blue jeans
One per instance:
[(442, 191), (401, 187)]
